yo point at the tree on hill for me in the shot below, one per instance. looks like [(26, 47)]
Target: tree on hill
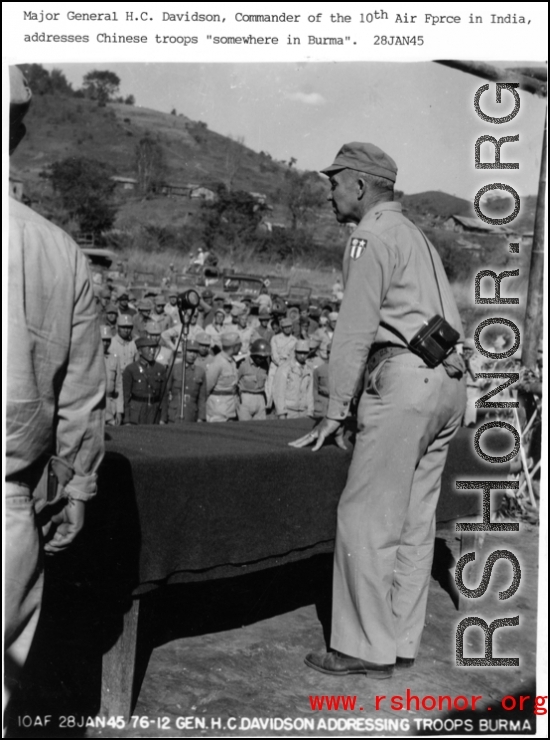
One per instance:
[(150, 164), (42, 82), (231, 220), (101, 85), (85, 190), (302, 193)]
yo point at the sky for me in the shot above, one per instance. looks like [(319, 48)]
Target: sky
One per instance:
[(421, 114)]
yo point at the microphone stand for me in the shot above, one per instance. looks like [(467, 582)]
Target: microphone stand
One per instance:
[(185, 317)]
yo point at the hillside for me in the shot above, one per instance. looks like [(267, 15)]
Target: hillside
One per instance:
[(59, 127)]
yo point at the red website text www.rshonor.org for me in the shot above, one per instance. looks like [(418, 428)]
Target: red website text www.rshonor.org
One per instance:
[(428, 703)]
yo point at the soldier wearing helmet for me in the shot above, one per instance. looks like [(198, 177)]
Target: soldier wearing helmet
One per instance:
[(114, 404), (252, 376)]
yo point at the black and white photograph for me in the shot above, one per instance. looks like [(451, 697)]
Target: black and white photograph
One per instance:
[(274, 359)]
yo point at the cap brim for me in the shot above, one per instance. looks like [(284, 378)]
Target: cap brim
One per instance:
[(332, 169)]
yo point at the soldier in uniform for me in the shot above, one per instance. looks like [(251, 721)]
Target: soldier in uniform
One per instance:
[(122, 345), (145, 307), (143, 382), (252, 382), (194, 406), (222, 379), (159, 316), (305, 325), (124, 307), (216, 328), (205, 355), (262, 331), (171, 308), (292, 385), (244, 331), (282, 345), (111, 316), (407, 416), (114, 406)]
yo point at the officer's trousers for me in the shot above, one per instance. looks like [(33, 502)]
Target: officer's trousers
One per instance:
[(221, 408), (407, 417), (23, 582), (252, 406)]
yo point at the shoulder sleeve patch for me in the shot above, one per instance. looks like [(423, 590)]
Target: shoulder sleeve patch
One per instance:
[(358, 246)]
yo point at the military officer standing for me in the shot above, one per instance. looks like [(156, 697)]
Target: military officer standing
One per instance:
[(143, 382), (222, 379), (114, 405), (194, 403), (252, 382), (407, 416)]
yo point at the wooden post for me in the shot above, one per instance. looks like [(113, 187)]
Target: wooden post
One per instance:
[(532, 328)]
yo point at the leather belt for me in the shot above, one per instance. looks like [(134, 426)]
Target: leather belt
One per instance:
[(384, 353), (223, 393), (145, 399), (254, 393)]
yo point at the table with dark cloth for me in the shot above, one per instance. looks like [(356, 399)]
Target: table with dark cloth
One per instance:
[(206, 501)]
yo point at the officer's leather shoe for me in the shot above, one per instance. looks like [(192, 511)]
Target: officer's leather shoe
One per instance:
[(337, 664), (404, 662)]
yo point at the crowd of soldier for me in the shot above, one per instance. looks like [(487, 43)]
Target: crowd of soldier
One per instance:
[(234, 365)]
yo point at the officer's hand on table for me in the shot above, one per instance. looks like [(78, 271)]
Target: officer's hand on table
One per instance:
[(69, 522), (318, 435), (118, 419)]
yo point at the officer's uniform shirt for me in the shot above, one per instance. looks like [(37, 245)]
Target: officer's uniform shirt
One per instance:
[(282, 348), (172, 313), (292, 389), (215, 331), (162, 320), (195, 392), (386, 266), (252, 378), (221, 388), (115, 401), (245, 335), (112, 327), (139, 325), (222, 374), (204, 362), (143, 385), (320, 390), (125, 351)]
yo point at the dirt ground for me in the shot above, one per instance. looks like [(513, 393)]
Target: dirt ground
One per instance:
[(226, 658)]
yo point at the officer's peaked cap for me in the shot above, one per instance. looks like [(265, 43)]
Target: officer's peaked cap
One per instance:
[(145, 342), (363, 157)]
